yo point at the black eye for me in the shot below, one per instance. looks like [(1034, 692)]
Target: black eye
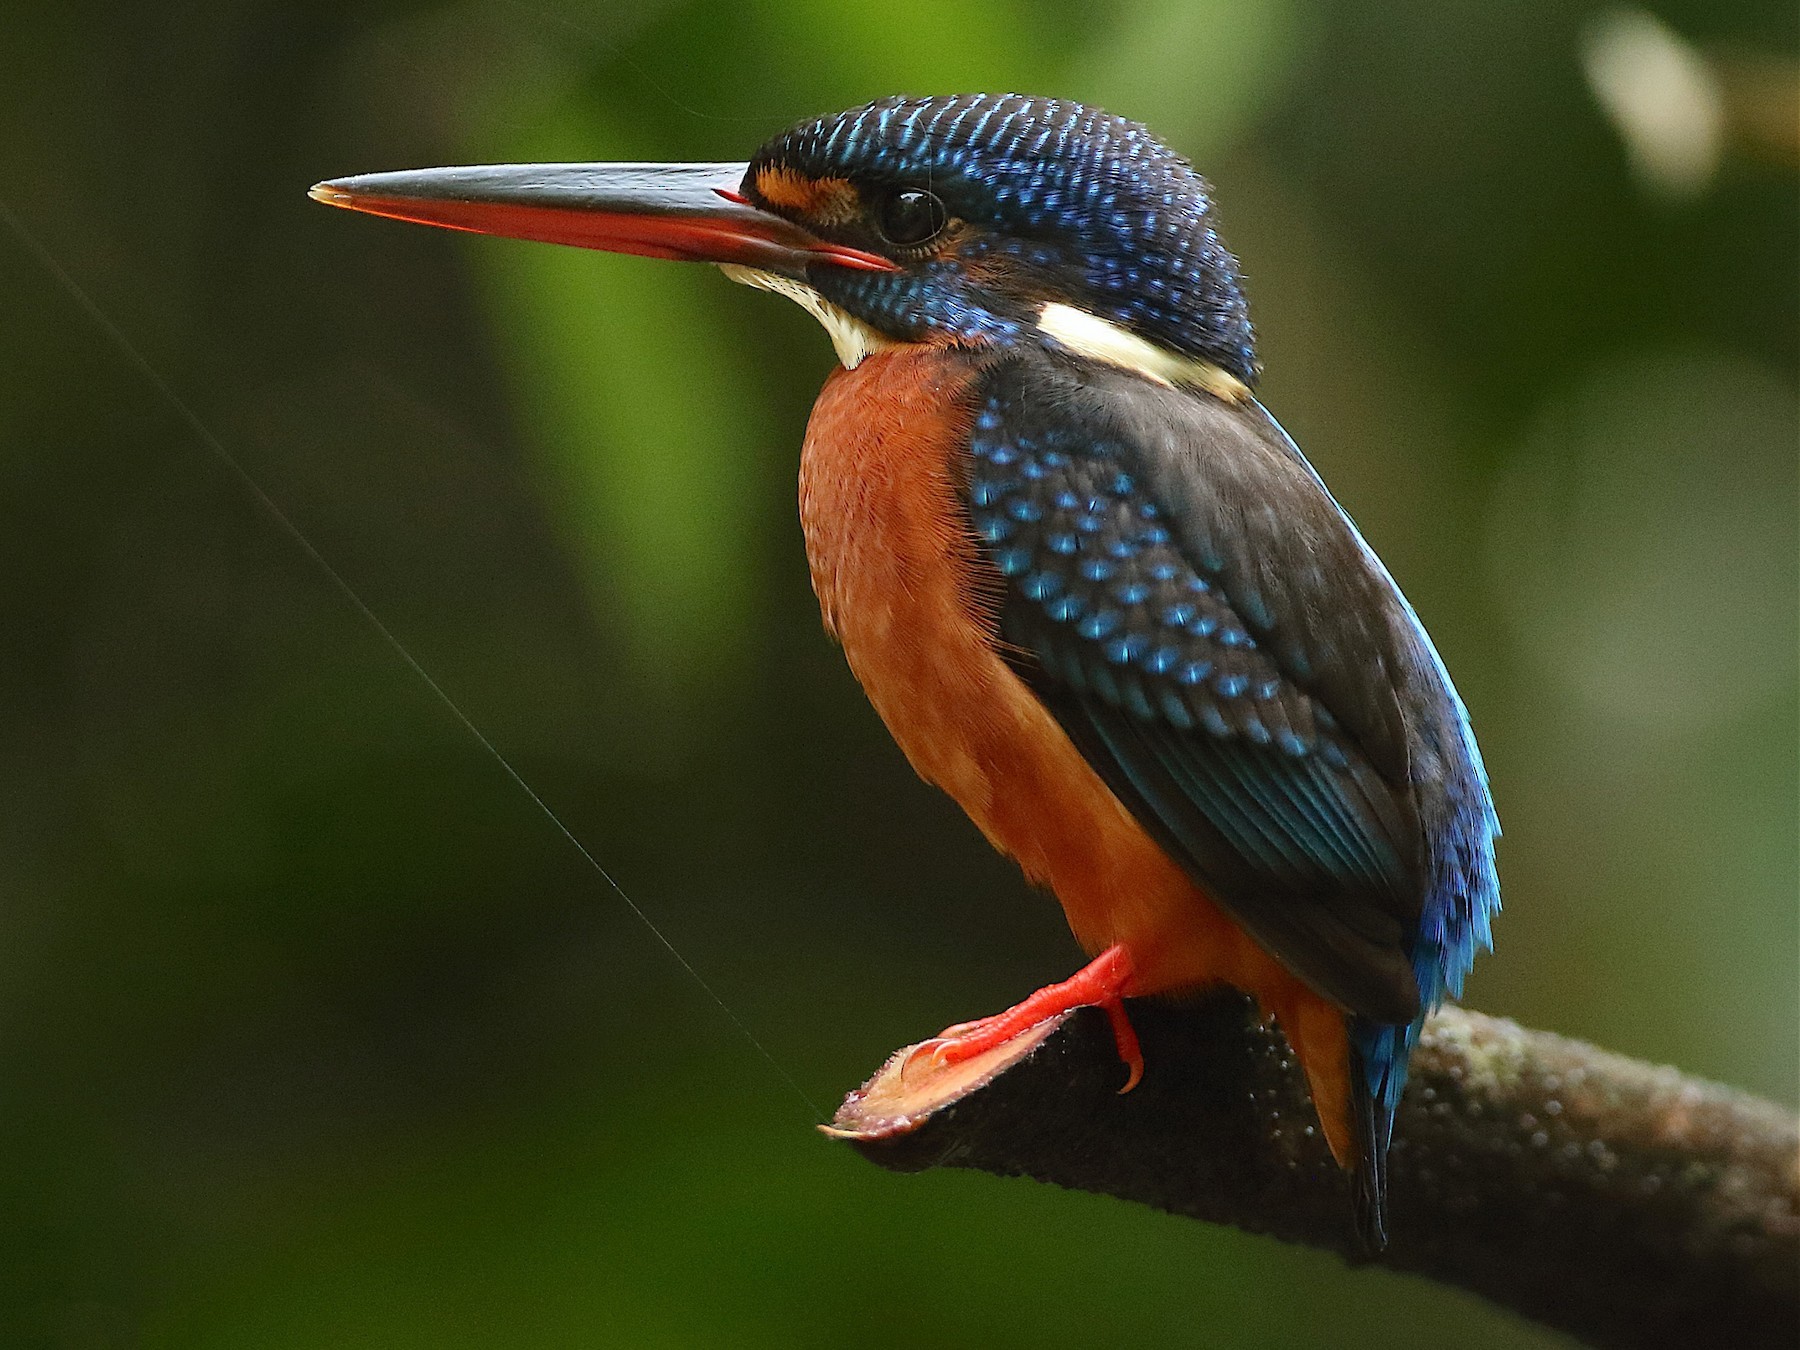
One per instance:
[(910, 217)]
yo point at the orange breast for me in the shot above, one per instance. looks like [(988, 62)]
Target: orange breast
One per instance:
[(903, 589)]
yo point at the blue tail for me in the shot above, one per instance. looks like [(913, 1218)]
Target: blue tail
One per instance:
[(1378, 1055), (1381, 1051)]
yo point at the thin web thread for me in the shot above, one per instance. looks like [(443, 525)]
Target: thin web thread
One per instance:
[(115, 335)]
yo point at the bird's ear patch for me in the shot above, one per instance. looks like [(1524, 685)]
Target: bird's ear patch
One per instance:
[(830, 201), (1101, 339)]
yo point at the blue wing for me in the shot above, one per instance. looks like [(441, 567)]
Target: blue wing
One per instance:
[(1188, 601)]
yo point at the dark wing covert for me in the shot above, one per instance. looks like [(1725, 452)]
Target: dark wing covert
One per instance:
[(1189, 603)]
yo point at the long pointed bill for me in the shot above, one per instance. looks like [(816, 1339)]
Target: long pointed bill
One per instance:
[(691, 212)]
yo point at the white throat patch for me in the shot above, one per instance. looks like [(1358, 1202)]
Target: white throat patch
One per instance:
[(1101, 339), (850, 336)]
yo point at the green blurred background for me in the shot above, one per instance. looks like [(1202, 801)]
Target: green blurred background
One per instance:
[(314, 1032)]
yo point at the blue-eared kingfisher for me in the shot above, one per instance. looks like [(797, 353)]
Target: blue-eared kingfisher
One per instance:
[(1092, 587)]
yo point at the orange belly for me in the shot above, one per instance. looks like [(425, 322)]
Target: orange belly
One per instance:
[(902, 588)]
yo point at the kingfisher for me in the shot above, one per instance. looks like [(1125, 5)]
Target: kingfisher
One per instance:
[(1094, 590)]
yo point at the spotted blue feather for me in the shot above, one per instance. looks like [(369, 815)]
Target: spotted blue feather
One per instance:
[(1250, 683)]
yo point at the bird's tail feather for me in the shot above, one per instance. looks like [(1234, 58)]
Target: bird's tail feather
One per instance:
[(1378, 1055)]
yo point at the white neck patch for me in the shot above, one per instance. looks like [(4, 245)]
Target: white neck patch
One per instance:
[(850, 336), (1101, 339), (1079, 331)]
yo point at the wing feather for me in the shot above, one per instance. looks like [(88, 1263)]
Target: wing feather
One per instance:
[(1184, 596)]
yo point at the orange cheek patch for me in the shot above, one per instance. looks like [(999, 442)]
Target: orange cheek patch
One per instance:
[(829, 201)]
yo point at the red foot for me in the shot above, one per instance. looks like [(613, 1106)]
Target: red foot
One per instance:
[(1101, 983)]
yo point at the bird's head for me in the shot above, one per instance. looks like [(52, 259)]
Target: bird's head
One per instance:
[(968, 220)]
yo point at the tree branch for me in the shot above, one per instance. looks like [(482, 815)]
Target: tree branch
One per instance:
[(1615, 1200)]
